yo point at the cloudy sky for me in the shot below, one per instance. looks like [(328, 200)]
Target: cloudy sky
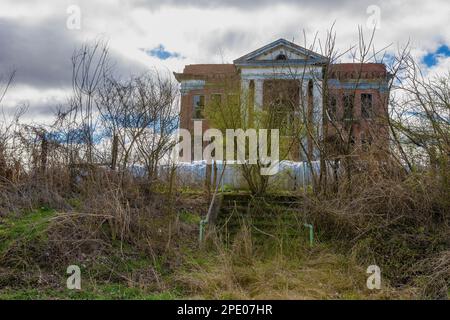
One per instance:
[(37, 38)]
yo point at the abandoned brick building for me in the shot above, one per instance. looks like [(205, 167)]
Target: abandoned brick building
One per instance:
[(355, 95)]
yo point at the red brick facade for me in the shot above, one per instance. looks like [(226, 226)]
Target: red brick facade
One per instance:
[(357, 100), (215, 76), (364, 122)]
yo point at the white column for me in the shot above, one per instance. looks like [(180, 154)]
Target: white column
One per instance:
[(259, 94), (318, 108), (304, 98), (245, 83), (245, 86), (303, 94), (318, 104)]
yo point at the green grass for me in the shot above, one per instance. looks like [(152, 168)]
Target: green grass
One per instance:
[(189, 218), (282, 269), (75, 203), (112, 291), (299, 272), (29, 227)]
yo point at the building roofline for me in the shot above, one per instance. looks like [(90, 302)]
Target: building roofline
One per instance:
[(275, 44)]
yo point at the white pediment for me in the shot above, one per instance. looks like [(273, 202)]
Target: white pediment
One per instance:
[(280, 51)]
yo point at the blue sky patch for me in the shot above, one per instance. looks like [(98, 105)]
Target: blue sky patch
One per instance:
[(161, 53), (431, 58)]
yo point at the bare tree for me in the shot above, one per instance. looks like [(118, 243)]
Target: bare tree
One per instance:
[(421, 122), (139, 116), (9, 126), (89, 66)]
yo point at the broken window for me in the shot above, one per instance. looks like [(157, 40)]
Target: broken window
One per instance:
[(199, 104), (348, 101), (366, 105)]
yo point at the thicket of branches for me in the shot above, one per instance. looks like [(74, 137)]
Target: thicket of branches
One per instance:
[(86, 187), (125, 125), (388, 203)]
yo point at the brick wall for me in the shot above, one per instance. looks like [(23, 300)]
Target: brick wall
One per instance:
[(218, 79), (357, 79), (346, 78)]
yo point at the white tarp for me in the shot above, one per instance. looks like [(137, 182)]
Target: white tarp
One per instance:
[(291, 175)]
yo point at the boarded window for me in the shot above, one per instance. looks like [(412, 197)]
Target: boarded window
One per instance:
[(199, 104), (366, 105)]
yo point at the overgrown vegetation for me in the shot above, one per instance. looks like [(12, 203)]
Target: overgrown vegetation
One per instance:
[(401, 225), (158, 257), (140, 246), (89, 190)]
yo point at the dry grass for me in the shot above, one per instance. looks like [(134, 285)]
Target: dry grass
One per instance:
[(124, 234), (317, 273), (401, 224), (115, 229)]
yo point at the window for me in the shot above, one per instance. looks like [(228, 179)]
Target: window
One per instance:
[(232, 100), (283, 117), (348, 100), (366, 105), (353, 141), (199, 104), (366, 141), (281, 56), (332, 107), (216, 99)]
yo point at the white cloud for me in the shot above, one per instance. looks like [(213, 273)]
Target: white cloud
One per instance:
[(212, 32), (442, 67)]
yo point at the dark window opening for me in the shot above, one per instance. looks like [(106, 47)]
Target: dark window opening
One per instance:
[(366, 105), (283, 117), (352, 140), (251, 101), (251, 93), (366, 142), (348, 101), (199, 104), (281, 97), (281, 56)]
